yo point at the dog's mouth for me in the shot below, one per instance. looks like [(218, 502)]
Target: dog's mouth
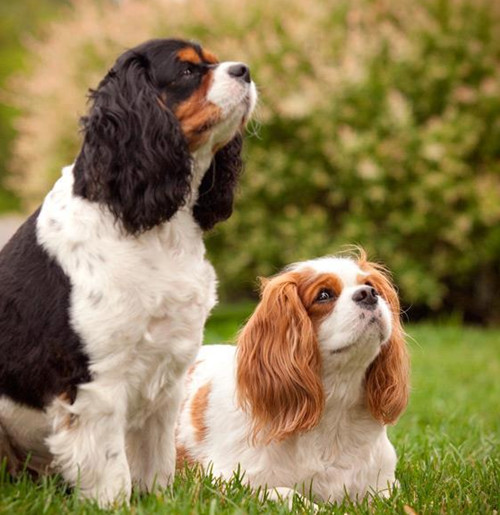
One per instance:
[(249, 103), (219, 123), (243, 103), (344, 349), (251, 99), (374, 328)]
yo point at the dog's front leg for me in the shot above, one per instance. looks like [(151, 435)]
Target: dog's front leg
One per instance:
[(151, 447), (88, 443)]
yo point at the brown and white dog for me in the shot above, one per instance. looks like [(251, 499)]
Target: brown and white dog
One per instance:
[(302, 403), (104, 291)]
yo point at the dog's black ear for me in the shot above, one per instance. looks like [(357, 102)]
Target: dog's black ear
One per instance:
[(216, 192), (134, 157)]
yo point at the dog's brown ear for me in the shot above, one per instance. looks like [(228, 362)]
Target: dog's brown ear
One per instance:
[(387, 378), (279, 364)]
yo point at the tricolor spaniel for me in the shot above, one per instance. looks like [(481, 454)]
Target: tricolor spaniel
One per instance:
[(301, 404), (104, 291)]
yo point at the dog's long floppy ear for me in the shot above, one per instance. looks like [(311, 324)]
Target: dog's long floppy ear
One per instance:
[(279, 364), (216, 192), (134, 158), (387, 378)]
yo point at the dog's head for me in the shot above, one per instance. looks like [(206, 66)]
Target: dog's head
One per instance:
[(317, 320), (160, 106)]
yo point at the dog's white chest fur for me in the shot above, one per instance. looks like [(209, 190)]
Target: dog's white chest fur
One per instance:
[(138, 303)]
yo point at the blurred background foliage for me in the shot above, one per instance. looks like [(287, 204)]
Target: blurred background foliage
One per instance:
[(17, 21), (378, 125)]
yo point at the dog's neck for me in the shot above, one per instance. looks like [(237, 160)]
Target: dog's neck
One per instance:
[(200, 164), (343, 375), (343, 391)]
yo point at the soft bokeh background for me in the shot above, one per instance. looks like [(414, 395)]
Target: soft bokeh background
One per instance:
[(378, 125)]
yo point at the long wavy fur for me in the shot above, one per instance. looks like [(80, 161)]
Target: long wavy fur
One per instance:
[(279, 364), (216, 192), (387, 378), (135, 158)]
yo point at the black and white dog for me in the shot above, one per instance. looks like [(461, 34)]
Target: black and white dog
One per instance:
[(104, 291)]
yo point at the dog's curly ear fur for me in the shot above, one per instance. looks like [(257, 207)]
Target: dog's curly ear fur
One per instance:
[(279, 364), (216, 192), (134, 157), (387, 378)]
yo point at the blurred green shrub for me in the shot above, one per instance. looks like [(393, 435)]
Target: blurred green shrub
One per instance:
[(16, 20), (378, 125)]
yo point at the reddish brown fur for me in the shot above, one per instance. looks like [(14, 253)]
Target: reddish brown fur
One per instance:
[(209, 57), (189, 54), (195, 114), (199, 406), (387, 378), (183, 457), (310, 285), (279, 364)]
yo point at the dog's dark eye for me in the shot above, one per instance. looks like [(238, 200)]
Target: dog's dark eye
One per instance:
[(325, 295), (188, 72)]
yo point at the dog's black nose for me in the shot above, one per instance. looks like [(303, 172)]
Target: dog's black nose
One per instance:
[(366, 296), (240, 71)]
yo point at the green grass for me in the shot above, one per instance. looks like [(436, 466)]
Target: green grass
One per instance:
[(447, 441)]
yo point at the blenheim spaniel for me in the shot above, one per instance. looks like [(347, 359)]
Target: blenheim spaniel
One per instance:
[(302, 402), (104, 291)]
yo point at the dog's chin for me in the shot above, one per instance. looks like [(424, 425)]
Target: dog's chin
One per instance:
[(371, 331), (377, 329), (250, 101), (242, 110), (228, 127), (242, 104)]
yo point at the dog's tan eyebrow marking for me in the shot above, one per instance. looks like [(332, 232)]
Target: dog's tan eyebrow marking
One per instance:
[(209, 57), (199, 406), (311, 283), (189, 55)]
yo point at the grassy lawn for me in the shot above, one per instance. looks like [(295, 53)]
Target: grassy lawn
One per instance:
[(447, 441)]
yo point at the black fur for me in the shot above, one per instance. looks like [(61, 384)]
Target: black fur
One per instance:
[(216, 192), (40, 354), (135, 158)]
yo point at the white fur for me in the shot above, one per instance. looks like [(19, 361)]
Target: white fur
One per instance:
[(348, 452), (139, 305), (234, 97)]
